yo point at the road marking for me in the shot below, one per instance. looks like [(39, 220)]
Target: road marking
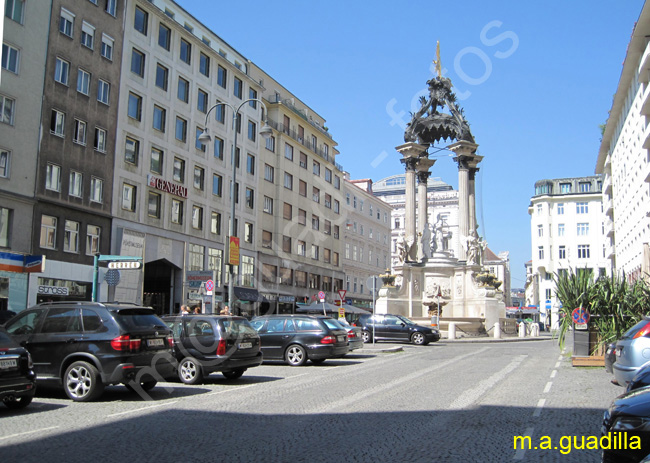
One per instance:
[(538, 409), (559, 359), (557, 365), (143, 408), (548, 387), (472, 395), (553, 373), (27, 432), (519, 454), (229, 390)]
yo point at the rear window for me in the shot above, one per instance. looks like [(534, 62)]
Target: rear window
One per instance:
[(332, 324), (635, 329), (133, 319), (308, 325), (236, 326)]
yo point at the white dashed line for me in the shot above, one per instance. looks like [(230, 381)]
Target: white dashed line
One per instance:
[(557, 365), (538, 409), (520, 453), (27, 432), (548, 387), (143, 408), (553, 373)]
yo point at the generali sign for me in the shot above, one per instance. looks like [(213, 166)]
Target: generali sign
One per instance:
[(167, 186)]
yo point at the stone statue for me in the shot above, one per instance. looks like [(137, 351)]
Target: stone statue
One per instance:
[(473, 249), (425, 243), (438, 234), (402, 250), (411, 249)]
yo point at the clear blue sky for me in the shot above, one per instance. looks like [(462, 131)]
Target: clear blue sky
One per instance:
[(536, 79)]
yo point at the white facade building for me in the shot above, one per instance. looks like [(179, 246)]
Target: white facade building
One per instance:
[(625, 161), (567, 225)]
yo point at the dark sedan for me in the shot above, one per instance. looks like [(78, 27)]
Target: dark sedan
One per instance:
[(627, 425), (391, 327), (17, 378), (298, 338)]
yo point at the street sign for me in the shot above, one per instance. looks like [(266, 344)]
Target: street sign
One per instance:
[(580, 317), (342, 293), (341, 312), (124, 265), (369, 283), (321, 296), (209, 285)]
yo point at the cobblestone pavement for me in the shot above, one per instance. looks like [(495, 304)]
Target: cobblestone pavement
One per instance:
[(453, 402)]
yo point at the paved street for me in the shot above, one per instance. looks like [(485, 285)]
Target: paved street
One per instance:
[(449, 401)]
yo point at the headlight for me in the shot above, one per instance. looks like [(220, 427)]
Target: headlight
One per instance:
[(629, 423)]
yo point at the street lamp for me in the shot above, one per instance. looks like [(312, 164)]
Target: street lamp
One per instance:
[(205, 138)]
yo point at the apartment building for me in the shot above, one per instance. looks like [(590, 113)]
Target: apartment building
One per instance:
[(24, 50), (624, 160), (567, 233), (366, 238)]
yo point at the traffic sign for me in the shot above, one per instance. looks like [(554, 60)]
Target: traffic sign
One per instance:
[(321, 296), (372, 281), (209, 285), (342, 293), (124, 265), (580, 316)]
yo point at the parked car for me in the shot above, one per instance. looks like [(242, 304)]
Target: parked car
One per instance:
[(628, 418), (640, 379), (632, 352), (84, 346), (389, 327), (205, 344), (17, 377), (355, 336), (6, 315), (298, 338), (610, 357)]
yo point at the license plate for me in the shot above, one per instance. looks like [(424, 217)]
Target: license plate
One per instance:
[(158, 342), (245, 345), (341, 338), (8, 363)]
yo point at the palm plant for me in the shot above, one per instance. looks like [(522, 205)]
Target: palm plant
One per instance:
[(573, 290)]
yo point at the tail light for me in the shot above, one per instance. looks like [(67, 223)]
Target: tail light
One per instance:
[(170, 340), (351, 335), (643, 332), (328, 340), (221, 348), (125, 343)]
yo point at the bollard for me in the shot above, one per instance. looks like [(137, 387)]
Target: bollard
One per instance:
[(451, 331), (497, 331), (522, 330), (534, 330)]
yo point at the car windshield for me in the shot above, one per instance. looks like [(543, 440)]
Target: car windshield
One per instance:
[(237, 326), (406, 320), (332, 324)]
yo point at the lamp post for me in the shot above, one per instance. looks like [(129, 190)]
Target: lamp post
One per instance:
[(265, 132)]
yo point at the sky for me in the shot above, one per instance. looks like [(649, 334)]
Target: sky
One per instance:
[(535, 79)]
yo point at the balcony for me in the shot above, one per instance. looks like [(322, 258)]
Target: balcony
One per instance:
[(644, 65), (289, 104)]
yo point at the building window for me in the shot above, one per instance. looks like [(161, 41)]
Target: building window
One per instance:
[(302, 188), (238, 88), (301, 248), (162, 76), (582, 208), (137, 62), (186, 51), (135, 106), (5, 163), (269, 173), (96, 190), (83, 82), (327, 229), (286, 244), (585, 187), (328, 201), (53, 177), (100, 140), (128, 197), (66, 22), (336, 232), (179, 170), (156, 164), (337, 206), (302, 217), (215, 223), (288, 211), (80, 129), (93, 236), (76, 184), (154, 204), (87, 35), (252, 130), (6, 110), (197, 218), (111, 7), (10, 58), (131, 151), (540, 230), (48, 232), (181, 129), (199, 177), (61, 71), (288, 181), (565, 188), (315, 251), (316, 168), (583, 251), (215, 259), (103, 91), (177, 211), (204, 64), (250, 164), (562, 253), (202, 101), (250, 198), (540, 252), (14, 10), (268, 205), (248, 232), (303, 160), (57, 123), (183, 93), (217, 184), (164, 36), (288, 151), (141, 20), (315, 222), (107, 47), (222, 76), (71, 237), (560, 209), (267, 239), (252, 95), (337, 182), (159, 118), (560, 229), (218, 148), (315, 194), (197, 143), (270, 144), (583, 229), (195, 257), (328, 176)]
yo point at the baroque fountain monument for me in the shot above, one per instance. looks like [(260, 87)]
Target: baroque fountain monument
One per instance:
[(428, 276)]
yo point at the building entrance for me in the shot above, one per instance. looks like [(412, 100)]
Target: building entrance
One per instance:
[(158, 284)]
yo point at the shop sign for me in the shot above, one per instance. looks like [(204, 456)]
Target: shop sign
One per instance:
[(167, 186), (53, 290)]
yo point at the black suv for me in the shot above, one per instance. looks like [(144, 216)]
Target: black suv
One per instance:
[(84, 346), (395, 328), (17, 379), (298, 338), (204, 344)]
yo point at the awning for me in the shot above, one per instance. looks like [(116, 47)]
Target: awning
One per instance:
[(248, 295)]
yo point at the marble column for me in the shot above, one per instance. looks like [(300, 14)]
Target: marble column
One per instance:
[(472, 199), (411, 153), (423, 174)]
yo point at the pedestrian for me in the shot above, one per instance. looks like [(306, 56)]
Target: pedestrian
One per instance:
[(185, 310), (197, 310), (225, 311)]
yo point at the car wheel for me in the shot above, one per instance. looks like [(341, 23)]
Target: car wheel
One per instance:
[(317, 361), (189, 371), (417, 338), (234, 374), (21, 402), (82, 382), (366, 336), (295, 355)]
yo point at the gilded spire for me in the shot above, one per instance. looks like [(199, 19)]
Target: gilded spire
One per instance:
[(436, 61)]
